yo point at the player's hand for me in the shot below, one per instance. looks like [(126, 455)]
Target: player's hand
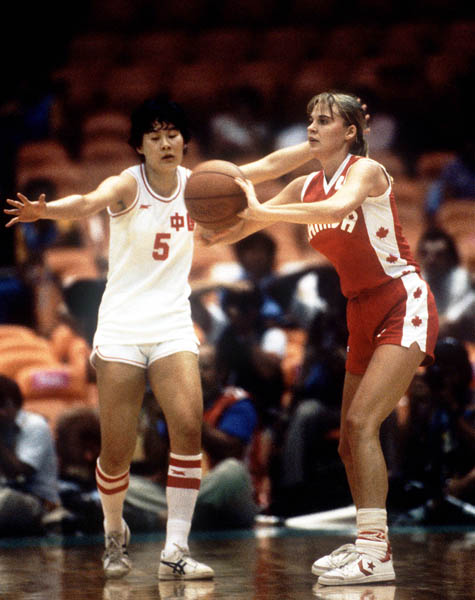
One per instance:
[(210, 237), (24, 211), (254, 208)]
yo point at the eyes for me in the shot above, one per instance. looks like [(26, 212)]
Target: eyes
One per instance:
[(320, 120), (168, 134)]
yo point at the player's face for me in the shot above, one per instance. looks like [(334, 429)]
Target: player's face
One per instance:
[(163, 147), (327, 132)]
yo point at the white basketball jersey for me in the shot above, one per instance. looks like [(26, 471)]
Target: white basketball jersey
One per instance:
[(150, 254)]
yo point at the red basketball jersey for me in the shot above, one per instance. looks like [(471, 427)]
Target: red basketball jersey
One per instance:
[(367, 248)]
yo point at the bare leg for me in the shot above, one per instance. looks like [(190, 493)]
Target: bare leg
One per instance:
[(368, 400), (121, 388), (176, 384)]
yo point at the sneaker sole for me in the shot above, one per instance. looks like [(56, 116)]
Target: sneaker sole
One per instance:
[(116, 573), (367, 579), (191, 577)]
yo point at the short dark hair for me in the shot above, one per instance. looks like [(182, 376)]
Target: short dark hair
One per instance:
[(10, 390), (157, 110), (434, 234)]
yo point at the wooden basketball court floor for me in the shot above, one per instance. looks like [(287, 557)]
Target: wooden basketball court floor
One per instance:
[(269, 563)]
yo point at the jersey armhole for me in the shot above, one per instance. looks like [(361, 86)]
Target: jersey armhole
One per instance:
[(133, 203)]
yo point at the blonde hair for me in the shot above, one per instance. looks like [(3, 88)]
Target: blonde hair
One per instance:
[(351, 111)]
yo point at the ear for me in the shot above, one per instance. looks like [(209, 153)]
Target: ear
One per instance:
[(351, 132), (139, 150)]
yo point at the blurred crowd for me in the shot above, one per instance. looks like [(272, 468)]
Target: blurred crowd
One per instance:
[(269, 314)]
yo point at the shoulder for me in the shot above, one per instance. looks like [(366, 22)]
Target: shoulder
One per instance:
[(125, 187), (184, 172), (366, 166), (370, 175)]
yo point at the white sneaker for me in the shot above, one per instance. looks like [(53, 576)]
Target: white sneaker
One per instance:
[(355, 592), (116, 560), (180, 565), (338, 558), (363, 569)]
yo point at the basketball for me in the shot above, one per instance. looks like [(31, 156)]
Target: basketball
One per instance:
[(212, 196)]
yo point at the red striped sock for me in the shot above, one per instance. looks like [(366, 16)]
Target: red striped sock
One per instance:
[(112, 490), (183, 484), (372, 532)]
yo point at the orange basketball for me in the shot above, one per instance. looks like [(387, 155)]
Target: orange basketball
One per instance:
[(212, 196)]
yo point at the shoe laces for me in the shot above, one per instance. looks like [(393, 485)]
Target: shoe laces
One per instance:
[(349, 550), (115, 547)]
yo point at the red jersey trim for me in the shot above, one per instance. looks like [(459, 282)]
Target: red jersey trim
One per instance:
[(164, 199)]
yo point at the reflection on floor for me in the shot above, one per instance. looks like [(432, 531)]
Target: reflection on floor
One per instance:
[(270, 562)]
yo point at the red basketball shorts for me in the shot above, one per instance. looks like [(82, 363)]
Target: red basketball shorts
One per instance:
[(399, 312)]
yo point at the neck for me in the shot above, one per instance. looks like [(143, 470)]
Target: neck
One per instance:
[(330, 164), (163, 183)]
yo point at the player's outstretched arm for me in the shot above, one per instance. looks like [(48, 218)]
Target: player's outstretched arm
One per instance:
[(118, 190), (277, 163)]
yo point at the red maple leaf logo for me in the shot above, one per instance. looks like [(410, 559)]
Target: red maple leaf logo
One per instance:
[(417, 321), (382, 232), (391, 258), (418, 293)]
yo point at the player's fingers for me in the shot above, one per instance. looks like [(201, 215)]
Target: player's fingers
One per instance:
[(12, 222), (13, 202)]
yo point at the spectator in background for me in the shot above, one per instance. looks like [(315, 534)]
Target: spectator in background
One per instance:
[(450, 282), (456, 181), (254, 267), (239, 131), (309, 474), (28, 465), (78, 442), (436, 467), (250, 350)]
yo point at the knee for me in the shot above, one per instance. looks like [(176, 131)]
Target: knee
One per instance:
[(114, 462), (188, 427), (344, 450), (359, 427)]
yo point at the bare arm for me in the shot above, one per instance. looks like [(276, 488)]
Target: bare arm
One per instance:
[(277, 163), (364, 179), (117, 192), (246, 227)]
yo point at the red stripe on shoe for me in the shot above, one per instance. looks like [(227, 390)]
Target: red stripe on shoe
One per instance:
[(183, 482)]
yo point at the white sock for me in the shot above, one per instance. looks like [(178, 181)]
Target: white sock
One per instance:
[(183, 484), (372, 529), (112, 491)]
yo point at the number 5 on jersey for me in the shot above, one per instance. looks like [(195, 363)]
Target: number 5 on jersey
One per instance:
[(160, 247)]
